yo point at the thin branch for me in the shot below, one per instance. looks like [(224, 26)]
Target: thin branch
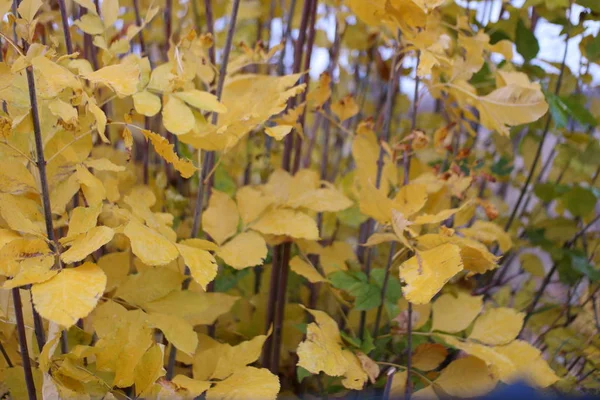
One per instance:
[(26, 362), (207, 164), (65, 26)]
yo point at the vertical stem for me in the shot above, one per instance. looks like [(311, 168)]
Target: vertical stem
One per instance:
[(408, 386), (307, 58), (207, 165), (385, 136), (210, 25), (65, 26), (278, 305), (542, 141), (6, 357), (386, 279), (168, 23), (23, 344)]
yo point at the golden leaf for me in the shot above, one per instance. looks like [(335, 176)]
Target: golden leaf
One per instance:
[(121, 78), (177, 116), (70, 295), (302, 268), (221, 218), (165, 150), (466, 377), (245, 383), (497, 326), (287, 222), (177, 330), (201, 263), (87, 243), (245, 250), (428, 271), (150, 246), (454, 314), (429, 356)]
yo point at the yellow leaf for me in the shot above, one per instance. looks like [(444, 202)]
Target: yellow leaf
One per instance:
[(177, 117), (489, 232), (103, 164), (150, 246), (501, 366), (194, 387), (354, 377), (149, 285), (497, 326), (149, 369), (420, 313), (509, 106), (101, 120), (529, 364), (92, 187), (202, 100), (120, 346), (15, 178), (17, 212), (87, 243), (28, 8), (429, 356), (302, 268), (466, 377), (246, 383), (322, 91), (221, 218), (82, 220), (454, 314), (201, 263), (165, 150), (251, 203), (428, 271), (322, 349), (22, 254), (289, 223), (245, 250), (51, 77), (322, 200), (532, 264), (146, 103), (115, 267), (216, 360), (410, 199), (345, 108), (428, 5), (36, 273), (70, 295), (250, 100), (196, 307), (121, 78), (177, 330), (63, 110), (279, 131), (110, 12)]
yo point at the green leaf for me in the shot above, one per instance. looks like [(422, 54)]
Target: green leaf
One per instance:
[(352, 341), (579, 112), (593, 5), (558, 110), (592, 48), (366, 295), (502, 167), (579, 201), (547, 192), (393, 291), (367, 344), (527, 44), (302, 373)]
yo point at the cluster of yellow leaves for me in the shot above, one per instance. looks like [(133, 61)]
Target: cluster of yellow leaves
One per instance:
[(322, 351)]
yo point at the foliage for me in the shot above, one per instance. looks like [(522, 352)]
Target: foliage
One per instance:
[(161, 175)]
